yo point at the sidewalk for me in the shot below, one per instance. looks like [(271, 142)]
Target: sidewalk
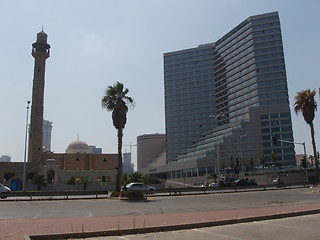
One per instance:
[(59, 228)]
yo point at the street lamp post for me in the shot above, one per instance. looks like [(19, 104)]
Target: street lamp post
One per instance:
[(216, 134), (25, 150), (304, 151), (305, 157)]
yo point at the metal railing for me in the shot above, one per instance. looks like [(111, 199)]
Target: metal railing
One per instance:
[(232, 188), (158, 192), (55, 194)]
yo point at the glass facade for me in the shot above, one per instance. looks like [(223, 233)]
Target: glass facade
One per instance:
[(225, 100), (189, 98)]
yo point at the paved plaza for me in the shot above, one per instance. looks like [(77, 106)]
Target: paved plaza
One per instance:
[(293, 228)]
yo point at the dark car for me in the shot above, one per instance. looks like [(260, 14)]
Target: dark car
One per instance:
[(245, 182), (226, 181)]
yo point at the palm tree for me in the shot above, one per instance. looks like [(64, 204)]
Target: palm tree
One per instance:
[(117, 101), (305, 103)]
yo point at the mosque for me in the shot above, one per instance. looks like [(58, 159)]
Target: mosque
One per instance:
[(58, 168)]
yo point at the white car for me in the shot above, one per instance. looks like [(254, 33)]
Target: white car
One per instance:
[(4, 189), (137, 186), (214, 184)]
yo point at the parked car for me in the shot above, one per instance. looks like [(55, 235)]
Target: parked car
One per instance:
[(214, 184), (4, 189), (136, 186), (226, 181), (245, 182)]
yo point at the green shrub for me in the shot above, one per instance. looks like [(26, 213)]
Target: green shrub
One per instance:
[(115, 194), (71, 181), (132, 194), (128, 194)]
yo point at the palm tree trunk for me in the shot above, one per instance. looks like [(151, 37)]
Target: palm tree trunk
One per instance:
[(119, 169), (314, 152)]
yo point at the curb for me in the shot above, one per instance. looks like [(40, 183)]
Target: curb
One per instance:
[(121, 232)]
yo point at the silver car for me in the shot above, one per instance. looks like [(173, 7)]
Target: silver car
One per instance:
[(4, 189), (137, 186)]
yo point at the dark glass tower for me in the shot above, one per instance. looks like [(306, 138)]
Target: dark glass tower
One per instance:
[(225, 100)]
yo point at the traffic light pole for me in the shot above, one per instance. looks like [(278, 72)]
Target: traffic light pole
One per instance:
[(305, 154)]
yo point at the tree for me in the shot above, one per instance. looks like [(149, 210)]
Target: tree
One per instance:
[(39, 180), (139, 177), (262, 160), (125, 179), (222, 165), (251, 162), (117, 101), (136, 177), (85, 180), (273, 158), (305, 104)]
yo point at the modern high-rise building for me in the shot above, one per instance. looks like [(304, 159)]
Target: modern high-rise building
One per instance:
[(225, 100), (5, 158), (95, 149), (127, 164), (47, 129)]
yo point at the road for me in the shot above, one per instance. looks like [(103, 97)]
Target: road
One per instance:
[(155, 205)]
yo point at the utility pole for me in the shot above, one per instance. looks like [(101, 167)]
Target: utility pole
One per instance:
[(25, 150), (305, 154)]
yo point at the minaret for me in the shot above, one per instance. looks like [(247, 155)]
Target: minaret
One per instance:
[(40, 52)]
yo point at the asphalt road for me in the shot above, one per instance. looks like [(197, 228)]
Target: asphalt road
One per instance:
[(155, 205), (295, 228)]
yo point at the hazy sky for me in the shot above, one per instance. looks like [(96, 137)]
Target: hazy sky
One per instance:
[(96, 43)]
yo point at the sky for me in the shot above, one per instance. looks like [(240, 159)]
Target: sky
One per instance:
[(96, 43)]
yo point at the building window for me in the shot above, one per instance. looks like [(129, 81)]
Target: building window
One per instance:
[(8, 176), (30, 175)]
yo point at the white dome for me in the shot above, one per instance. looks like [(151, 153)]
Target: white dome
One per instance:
[(77, 146)]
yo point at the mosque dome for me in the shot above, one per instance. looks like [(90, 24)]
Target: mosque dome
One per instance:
[(77, 146)]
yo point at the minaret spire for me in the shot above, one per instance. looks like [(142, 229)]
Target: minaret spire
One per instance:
[(40, 52)]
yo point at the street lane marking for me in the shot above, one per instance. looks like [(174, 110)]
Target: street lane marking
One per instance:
[(138, 211), (188, 209), (287, 226), (122, 237), (217, 234), (85, 200), (37, 216)]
